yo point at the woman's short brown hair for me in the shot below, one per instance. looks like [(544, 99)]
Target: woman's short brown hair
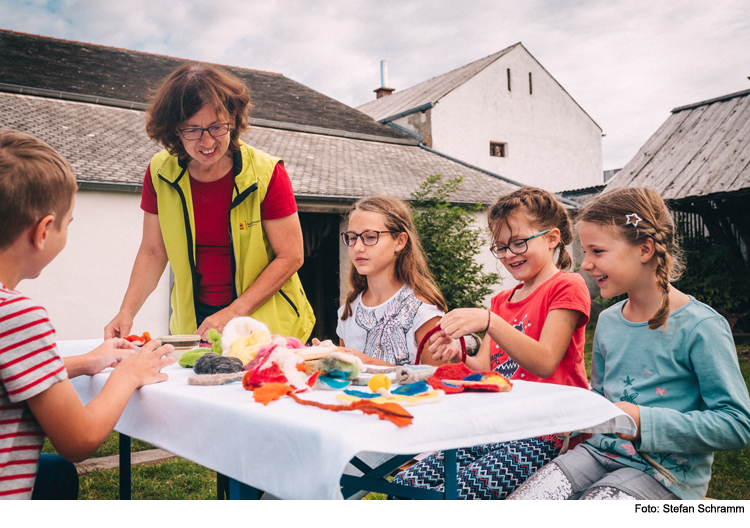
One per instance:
[(188, 89), (35, 181)]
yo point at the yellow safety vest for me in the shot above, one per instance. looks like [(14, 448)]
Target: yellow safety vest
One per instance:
[(287, 312)]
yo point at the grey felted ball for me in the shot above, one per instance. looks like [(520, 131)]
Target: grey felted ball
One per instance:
[(211, 363)]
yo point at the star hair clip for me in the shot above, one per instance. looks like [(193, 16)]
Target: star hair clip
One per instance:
[(633, 219)]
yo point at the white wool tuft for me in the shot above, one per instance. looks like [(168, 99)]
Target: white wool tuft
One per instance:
[(239, 327)]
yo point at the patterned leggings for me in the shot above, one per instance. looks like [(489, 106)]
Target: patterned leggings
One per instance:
[(490, 471)]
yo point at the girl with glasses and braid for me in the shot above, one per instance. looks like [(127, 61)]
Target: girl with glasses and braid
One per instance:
[(534, 332), (663, 357), (393, 300)]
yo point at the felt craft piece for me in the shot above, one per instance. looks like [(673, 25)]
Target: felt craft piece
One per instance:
[(331, 383), (247, 347), (139, 340), (211, 363), (412, 389), (459, 378), (388, 411), (215, 379), (337, 364), (257, 378), (432, 396), (276, 364), (188, 359)]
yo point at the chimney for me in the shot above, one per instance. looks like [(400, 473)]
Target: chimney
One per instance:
[(383, 91)]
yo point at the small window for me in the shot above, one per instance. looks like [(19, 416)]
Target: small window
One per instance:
[(498, 149), (509, 79), (531, 89)]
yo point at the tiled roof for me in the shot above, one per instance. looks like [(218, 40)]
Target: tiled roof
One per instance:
[(701, 151), (109, 145), (429, 91), (75, 67)]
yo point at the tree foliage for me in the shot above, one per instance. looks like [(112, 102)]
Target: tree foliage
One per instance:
[(716, 275), (451, 241)]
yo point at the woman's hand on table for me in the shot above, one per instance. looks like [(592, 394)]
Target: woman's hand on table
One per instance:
[(635, 413), (217, 321), (120, 326)]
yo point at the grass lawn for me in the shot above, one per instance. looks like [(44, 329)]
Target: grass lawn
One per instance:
[(180, 479)]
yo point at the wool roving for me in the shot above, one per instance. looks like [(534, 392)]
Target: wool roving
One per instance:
[(240, 327), (211, 363), (188, 359)]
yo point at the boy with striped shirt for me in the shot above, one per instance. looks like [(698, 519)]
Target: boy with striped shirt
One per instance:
[(37, 195)]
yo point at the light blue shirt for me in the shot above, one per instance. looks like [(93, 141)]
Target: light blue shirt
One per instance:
[(687, 384)]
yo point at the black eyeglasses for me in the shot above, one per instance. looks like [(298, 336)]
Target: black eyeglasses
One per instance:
[(193, 133), (369, 237), (517, 247)]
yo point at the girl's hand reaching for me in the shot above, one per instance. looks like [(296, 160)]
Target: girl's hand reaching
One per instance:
[(635, 413), (443, 347), (463, 321)]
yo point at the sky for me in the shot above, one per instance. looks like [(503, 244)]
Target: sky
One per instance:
[(626, 63)]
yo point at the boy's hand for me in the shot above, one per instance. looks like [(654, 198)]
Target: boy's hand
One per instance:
[(145, 365), (634, 412), (463, 321), (120, 326), (108, 354)]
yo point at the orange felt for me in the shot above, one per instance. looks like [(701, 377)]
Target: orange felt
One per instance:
[(270, 392)]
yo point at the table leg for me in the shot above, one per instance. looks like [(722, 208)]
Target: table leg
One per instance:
[(451, 474), (125, 483), (239, 491)]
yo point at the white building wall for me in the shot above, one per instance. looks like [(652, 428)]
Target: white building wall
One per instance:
[(551, 142), (82, 289)]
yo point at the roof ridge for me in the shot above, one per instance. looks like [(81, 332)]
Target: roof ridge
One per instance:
[(711, 101), (413, 87), (135, 51)]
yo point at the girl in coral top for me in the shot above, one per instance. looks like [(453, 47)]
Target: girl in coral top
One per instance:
[(534, 332)]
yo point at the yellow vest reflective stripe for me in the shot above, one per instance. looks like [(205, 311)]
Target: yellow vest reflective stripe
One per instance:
[(288, 312)]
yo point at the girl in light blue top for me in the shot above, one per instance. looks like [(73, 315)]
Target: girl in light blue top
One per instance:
[(663, 357)]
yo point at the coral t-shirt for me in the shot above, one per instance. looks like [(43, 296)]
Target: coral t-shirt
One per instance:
[(211, 205), (563, 291)]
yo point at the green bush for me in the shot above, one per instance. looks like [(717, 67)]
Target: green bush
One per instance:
[(451, 242), (716, 275)]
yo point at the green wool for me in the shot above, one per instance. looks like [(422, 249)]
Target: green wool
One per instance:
[(337, 368), (188, 359), (215, 338)]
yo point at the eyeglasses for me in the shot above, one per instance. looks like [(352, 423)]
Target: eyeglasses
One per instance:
[(369, 237), (517, 247), (191, 134)]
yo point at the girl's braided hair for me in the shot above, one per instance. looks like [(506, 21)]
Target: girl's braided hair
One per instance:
[(542, 208), (410, 266), (613, 208)]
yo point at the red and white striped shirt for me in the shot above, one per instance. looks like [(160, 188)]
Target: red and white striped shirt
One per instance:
[(29, 365)]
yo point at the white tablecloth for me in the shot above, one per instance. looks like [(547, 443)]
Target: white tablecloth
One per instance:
[(299, 452)]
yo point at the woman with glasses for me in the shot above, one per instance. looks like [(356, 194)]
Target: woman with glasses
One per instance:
[(219, 211)]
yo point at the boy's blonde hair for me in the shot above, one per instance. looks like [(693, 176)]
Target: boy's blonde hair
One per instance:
[(542, 208), (615, 209), (411, 266), (35, 181)]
